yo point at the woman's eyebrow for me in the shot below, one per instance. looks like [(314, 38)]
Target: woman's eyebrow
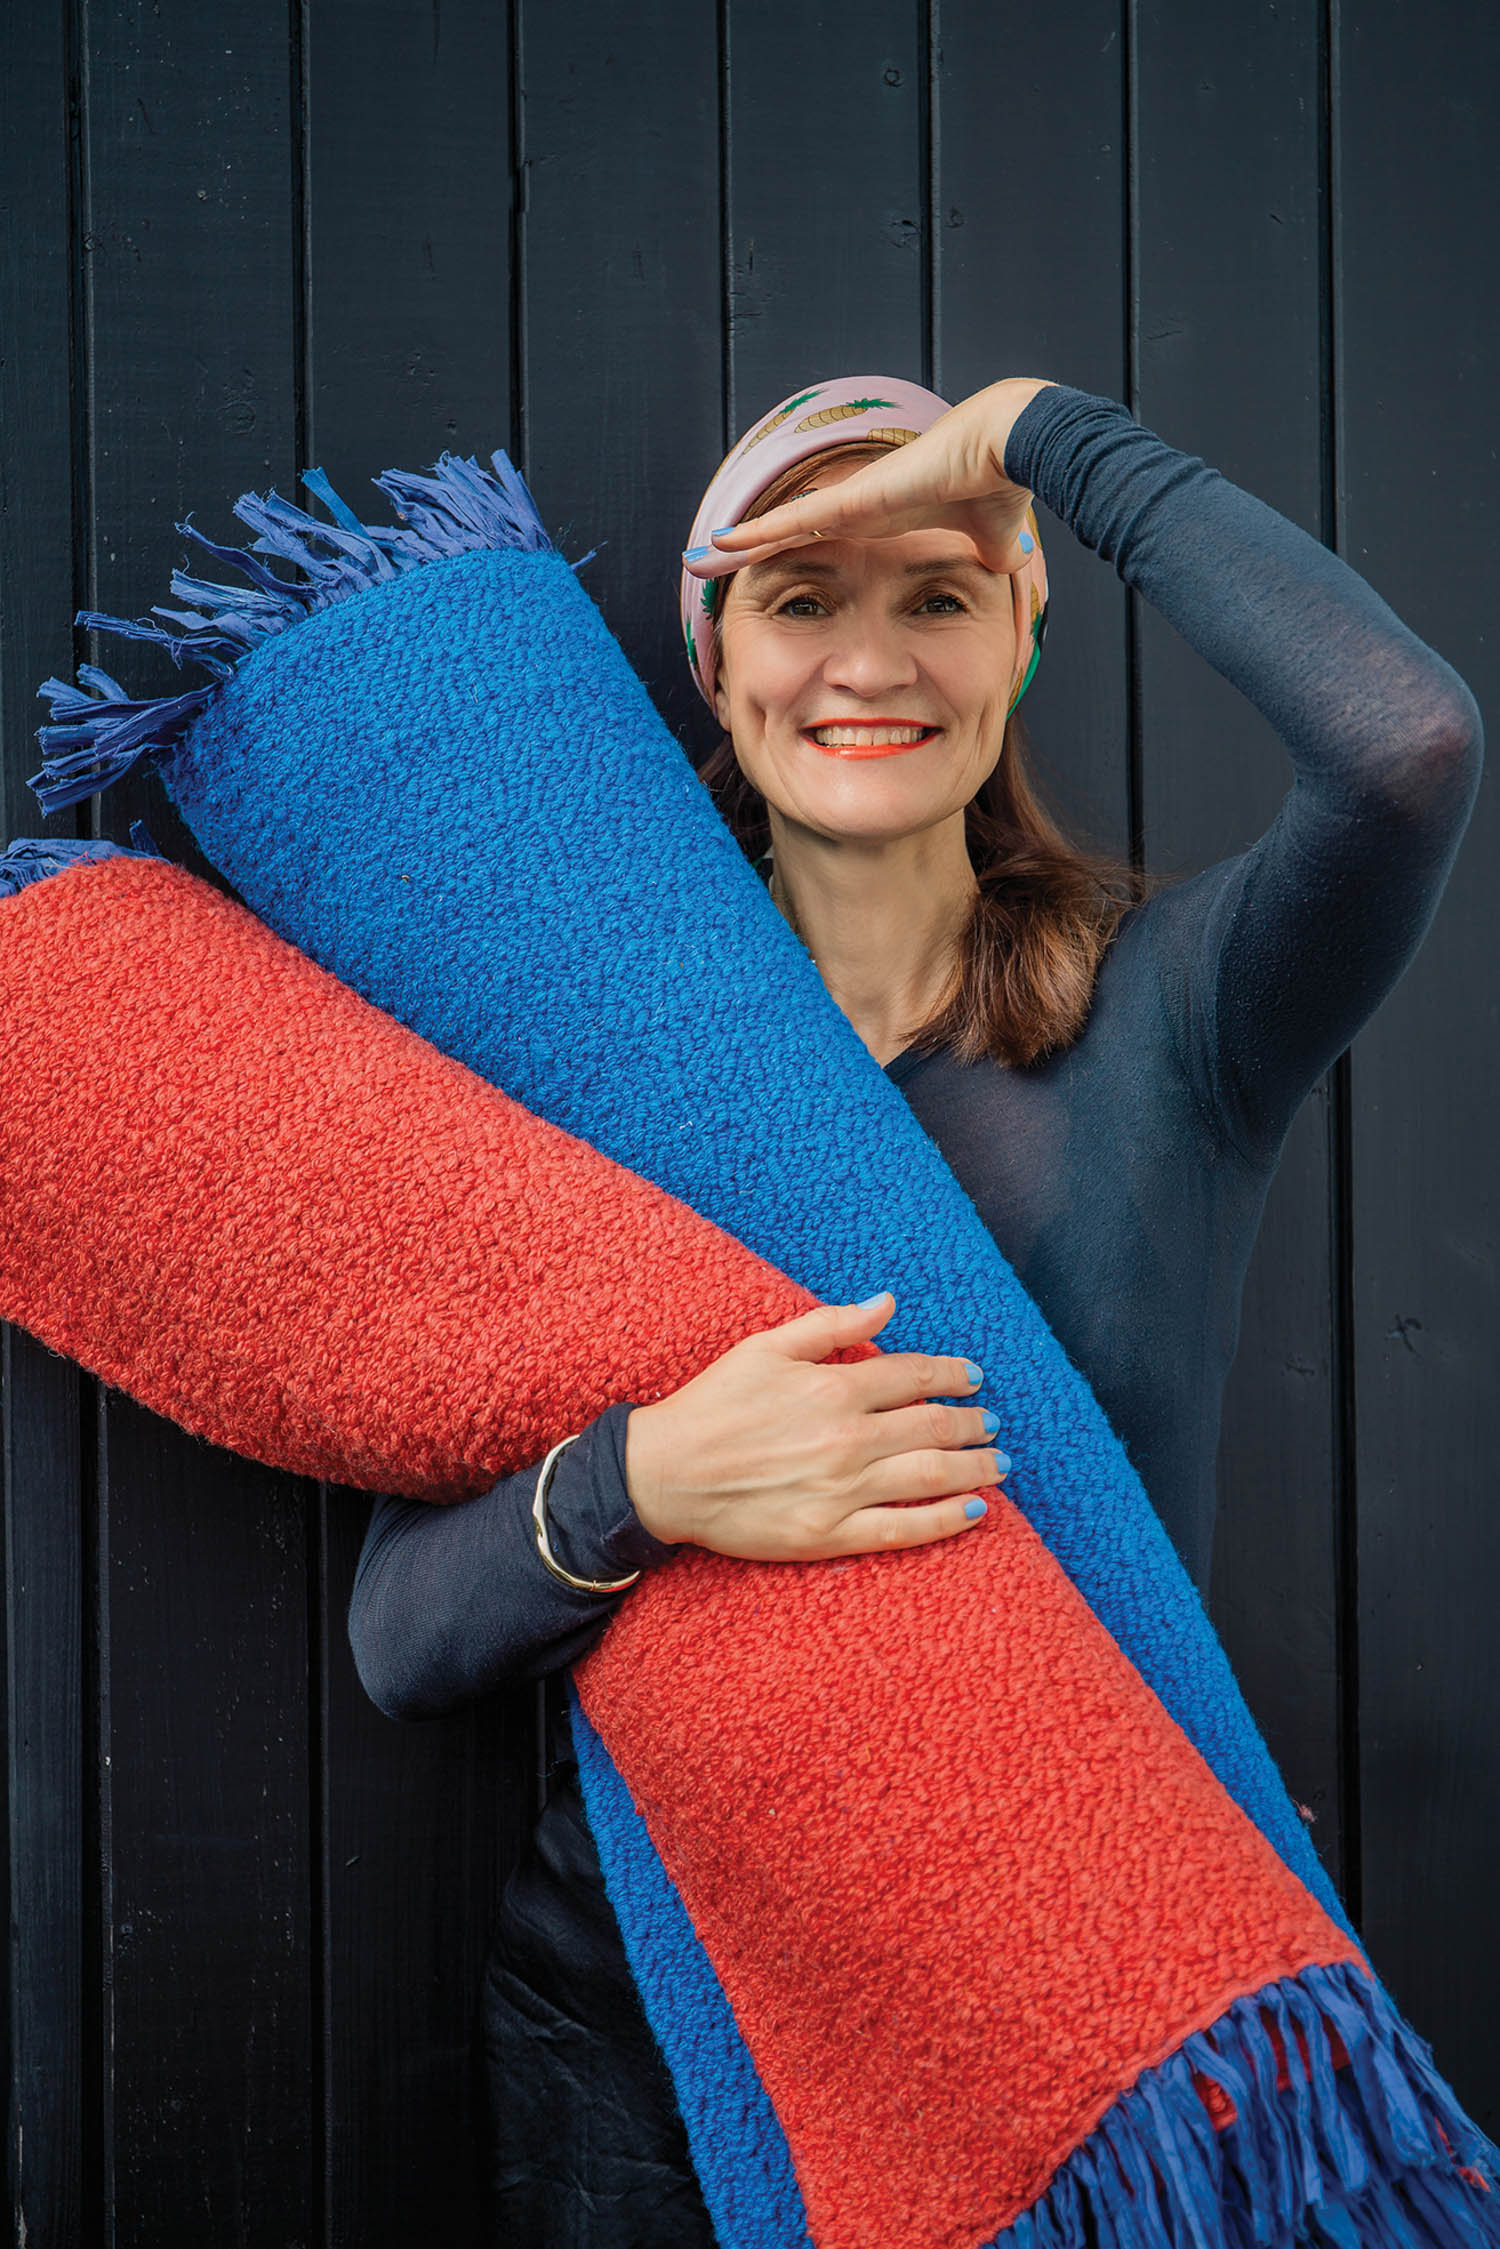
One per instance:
[(948, 566), (798, 565), (787, 566)]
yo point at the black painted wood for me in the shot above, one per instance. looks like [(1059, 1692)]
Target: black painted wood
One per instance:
[(50, 2131), (247, 1913), (1418, 343), (621, 404), (1028, 189), (206, 1792), (408, 203), (827, 199), (205, 1819), (1226, 260), (421, 1824), (45, 1983)]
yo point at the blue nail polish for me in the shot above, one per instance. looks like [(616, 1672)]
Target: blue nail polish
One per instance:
[(694, 554), (991, 1422), (723, 527), (868, 1303), (974, 1508), (975, 1374), (1027, 542), (1002, 1462)]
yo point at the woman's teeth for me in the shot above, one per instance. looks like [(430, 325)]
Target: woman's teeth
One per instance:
[(855, 737)]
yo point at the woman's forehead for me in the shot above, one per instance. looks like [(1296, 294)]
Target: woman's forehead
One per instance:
[(911, 554)]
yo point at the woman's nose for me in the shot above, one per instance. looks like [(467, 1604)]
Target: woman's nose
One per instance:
[(869, 653)]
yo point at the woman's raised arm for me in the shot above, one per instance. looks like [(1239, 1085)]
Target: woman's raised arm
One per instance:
[(1271, 961)]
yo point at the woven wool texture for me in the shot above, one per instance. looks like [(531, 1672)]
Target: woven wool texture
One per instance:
[(455, 793), (947, 1967), (237, 1191), (427, 763), (366, 1264)]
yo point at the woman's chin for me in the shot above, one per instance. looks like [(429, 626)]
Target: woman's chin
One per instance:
[(888, 822), (881, 797)]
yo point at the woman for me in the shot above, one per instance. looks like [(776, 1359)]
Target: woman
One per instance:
[(1109, 1077)]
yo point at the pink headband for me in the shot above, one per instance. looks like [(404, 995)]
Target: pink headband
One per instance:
[(851, 410)]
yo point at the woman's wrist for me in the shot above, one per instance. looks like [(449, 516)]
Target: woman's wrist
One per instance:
[(593, 1527), (1026, 444), (641, 1456)]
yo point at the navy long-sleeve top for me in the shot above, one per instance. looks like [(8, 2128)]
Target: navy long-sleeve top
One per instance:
[(1125, 1177)]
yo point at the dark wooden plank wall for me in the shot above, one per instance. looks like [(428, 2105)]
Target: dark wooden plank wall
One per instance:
[(246, 1913)]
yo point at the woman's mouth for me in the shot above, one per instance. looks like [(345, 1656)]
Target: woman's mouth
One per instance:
[(872, 737)]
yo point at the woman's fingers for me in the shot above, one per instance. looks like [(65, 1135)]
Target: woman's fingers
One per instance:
[(900, 1378), (878, 1530), (994, 524), (930, 1474), (880, 501), (928, 1427), (951, 477), (788, 1439), (815, 1334), (892, 502)]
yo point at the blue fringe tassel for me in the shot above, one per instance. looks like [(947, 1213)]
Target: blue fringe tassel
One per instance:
[(98, 733), (1347, 2158), (33, 858)]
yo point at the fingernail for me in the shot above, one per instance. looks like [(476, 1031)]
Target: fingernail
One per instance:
[(1027, 542), (694, 554), (991, 1422), (974, 1508), (868, 1303), (1002, 1462), (723, 527), (975, 1374)]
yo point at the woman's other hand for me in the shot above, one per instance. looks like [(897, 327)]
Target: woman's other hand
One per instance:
[(952, 477), (774, 1457)]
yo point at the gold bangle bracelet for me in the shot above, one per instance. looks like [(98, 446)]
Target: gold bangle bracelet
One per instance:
[(539, 1519)]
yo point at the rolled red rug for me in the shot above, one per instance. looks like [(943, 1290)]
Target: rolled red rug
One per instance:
[(1003, 1951)]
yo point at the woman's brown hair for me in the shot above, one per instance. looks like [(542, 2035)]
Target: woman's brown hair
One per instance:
[(1029, 953)]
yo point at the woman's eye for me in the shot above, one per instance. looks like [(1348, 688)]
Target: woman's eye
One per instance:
[(811, 604)]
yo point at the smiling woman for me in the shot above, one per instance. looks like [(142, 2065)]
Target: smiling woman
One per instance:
[(1009, 917), (1108, 1077)]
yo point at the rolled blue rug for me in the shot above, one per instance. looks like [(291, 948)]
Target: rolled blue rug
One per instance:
[(424, 761)]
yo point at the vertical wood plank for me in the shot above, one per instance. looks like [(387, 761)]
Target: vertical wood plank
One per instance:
[(48, 1735), (409, 209), (213, 2117), (206, 1792), (409, 217), (1420, 339), (1229, 307), (1028, 217), (959, 209), (423, 1823), (828, 191), (622, 398)]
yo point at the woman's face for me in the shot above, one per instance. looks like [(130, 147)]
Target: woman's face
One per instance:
[(867, 641)]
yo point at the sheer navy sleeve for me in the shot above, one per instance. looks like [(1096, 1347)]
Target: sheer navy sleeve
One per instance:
[(1270, 963), (1266, 965), (450, 1601)]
